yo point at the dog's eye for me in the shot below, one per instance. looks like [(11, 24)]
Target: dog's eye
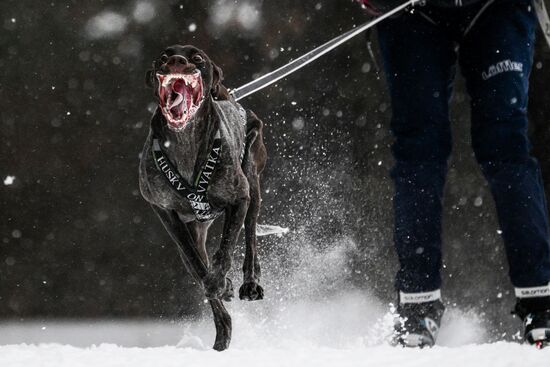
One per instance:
[(163, 58), (198, 59)]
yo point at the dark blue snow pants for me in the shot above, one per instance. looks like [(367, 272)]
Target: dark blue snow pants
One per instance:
[(420, 52)]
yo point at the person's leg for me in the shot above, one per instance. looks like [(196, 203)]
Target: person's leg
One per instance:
[(496, 59), (419, 63)]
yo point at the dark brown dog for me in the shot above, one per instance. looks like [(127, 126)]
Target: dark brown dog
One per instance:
[(203, 157)]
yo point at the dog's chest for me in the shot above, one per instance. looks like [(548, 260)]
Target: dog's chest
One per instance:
[(225, 182)]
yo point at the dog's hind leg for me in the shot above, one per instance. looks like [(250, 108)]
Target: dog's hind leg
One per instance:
[(253, 165), (250, 290)]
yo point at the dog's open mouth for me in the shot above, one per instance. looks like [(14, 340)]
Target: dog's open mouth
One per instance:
[(180, 97)]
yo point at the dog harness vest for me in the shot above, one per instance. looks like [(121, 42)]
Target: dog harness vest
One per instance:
[(196, 195)]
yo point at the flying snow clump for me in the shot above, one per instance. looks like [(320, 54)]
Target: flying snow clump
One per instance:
[(298, 123), (245, 15), (9, 180), (106, 24), (144, 12), (248, 16)]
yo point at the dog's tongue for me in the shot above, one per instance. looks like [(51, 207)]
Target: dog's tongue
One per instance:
[(177, 101), (178, 86)]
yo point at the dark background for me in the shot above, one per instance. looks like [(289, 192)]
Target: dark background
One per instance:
[(76, 238)]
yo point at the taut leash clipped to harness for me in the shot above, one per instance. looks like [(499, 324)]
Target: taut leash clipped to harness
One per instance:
[(196, 195), (311, 56)]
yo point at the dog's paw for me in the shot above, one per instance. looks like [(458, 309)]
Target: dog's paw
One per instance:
[(221, 345), (251, 291)]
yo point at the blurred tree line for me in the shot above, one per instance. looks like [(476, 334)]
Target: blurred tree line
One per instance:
[(77, 240)]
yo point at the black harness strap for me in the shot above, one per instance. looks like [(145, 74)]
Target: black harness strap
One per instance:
[(196, 196)]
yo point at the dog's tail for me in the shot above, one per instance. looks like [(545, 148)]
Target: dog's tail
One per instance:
[(266, 230)]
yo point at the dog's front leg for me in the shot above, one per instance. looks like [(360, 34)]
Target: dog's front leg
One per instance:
[(195, 261), (187, 248), (215, 281)]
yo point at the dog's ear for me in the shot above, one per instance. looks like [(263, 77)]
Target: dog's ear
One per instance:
[(149, 76), (218, 91), (149, 79), (217, 77)]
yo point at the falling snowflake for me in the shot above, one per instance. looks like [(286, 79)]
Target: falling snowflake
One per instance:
[(9, 180)]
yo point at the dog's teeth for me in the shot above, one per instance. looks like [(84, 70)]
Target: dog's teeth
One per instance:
[(188, 79), (166, 80)]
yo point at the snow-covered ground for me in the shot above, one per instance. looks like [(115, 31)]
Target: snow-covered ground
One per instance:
[(345, 330), (107, 355), (310, 317)]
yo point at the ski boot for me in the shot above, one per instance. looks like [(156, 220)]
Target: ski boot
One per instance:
[(417, 324), (535, 314)]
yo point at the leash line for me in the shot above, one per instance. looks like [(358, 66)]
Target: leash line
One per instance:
[(291, 67)]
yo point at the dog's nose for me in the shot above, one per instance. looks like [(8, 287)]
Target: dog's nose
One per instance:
[(175, 60)]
